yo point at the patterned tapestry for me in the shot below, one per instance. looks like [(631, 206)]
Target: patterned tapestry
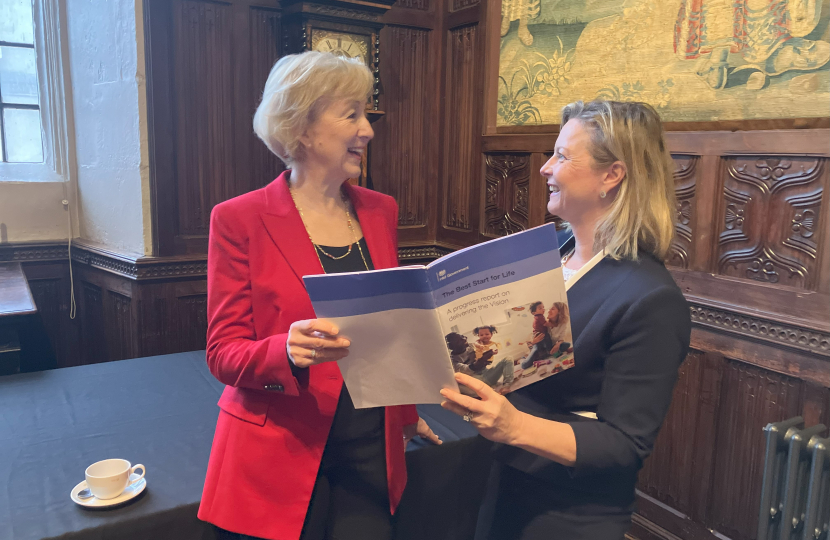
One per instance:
[(694, 60)]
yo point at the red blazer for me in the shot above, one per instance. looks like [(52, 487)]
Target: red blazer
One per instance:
[(273, 427)]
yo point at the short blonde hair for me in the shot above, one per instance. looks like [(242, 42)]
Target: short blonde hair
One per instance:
[(298, 88), (643, 213)]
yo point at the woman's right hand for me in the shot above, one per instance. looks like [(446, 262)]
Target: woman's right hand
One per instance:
[(314, 341)]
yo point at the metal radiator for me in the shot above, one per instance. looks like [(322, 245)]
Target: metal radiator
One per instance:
[(795, 496)]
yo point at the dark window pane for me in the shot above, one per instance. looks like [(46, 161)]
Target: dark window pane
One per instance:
[(18, 75), (23, 139), (16, 24)]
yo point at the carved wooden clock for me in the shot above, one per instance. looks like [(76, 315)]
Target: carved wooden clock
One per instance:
[(340, 27)]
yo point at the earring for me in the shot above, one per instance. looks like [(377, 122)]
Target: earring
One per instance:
[(602, 194)]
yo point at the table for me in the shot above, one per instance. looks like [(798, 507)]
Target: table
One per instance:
[(16, 306), (161, 411)]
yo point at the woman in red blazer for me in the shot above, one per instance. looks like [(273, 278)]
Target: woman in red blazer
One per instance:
[(292, 458)]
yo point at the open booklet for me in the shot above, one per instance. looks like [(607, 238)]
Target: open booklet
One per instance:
[(497, 311)]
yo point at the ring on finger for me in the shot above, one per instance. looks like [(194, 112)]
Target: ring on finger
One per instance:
[(314, 354), (467, 417)]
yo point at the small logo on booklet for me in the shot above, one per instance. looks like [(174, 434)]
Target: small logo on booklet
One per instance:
[(442, 274)]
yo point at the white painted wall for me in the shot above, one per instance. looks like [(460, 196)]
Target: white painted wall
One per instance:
[(106, 65), (112, 173), (32, 211)]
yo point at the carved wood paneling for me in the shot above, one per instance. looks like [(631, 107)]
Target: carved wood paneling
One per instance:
[(506, 199), (768, 229), (685, 181), (751, 397), (462, 165), (204, 122), (423, 5), (191, 322), (266, 43), (458, 5), (679, 472), (94, 346), (119, 327), (402, 150), (50, 321)]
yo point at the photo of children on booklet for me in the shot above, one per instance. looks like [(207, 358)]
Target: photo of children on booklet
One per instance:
[(529, 344)]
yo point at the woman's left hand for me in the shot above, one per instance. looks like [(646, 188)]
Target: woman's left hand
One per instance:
[(493, 416), (421, 429)]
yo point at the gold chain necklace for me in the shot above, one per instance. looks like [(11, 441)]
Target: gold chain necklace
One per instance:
[(318, 249)]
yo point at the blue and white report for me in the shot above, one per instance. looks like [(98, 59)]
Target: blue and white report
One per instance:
[(497, 311)]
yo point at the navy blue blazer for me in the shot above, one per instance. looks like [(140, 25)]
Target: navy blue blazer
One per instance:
[(631, 329)]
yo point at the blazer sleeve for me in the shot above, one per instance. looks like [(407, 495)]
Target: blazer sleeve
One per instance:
[(648, 345), (409, 413), (234, 354)]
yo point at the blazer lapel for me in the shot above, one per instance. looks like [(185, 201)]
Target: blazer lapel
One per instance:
[(374, 230), (286, 229)]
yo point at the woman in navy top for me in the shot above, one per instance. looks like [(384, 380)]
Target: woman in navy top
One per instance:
[(558, 474)]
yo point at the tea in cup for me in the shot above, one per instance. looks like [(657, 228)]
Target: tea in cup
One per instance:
[(109, 478)]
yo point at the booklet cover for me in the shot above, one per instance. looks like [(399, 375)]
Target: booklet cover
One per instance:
[(497, 311)]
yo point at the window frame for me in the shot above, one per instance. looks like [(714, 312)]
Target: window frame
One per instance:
[(54, 97)]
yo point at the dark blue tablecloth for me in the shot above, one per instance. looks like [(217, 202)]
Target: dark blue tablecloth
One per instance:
[(161, 411)]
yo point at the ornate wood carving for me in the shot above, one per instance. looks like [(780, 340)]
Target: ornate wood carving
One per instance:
[(458, 5), (507, 181), (462, 164), (769, 205), (204, 72), (751, 398), (333, 11), (685, 181), (778, 333), (401, 153), (265, 38), (33, 252), (427, 252), (423, 5), (142, 268), (804, 223)]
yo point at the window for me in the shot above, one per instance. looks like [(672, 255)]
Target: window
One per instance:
[(35, 141), (21, 140)]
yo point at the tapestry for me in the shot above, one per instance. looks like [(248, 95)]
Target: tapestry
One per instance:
[(694, 60)]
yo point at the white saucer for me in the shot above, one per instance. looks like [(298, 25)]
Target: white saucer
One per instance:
[(94, 502)]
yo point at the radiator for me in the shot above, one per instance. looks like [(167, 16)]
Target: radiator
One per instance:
[(795, 495)]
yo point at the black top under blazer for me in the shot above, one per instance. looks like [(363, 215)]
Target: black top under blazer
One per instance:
[(631, 329)]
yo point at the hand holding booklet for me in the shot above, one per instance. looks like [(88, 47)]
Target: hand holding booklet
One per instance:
[(497, 311)]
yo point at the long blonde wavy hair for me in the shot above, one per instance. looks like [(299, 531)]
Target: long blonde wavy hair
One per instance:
[(643, 212)]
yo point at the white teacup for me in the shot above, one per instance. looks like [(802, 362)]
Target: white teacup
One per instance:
[(109, 478)]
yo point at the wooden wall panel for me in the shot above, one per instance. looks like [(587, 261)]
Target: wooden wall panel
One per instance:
[(752, 397), (403, 149), (53, 340), (118, 326), (769, 228), (264, 30), (205, 112), (680, 471), (462, 169), (207, 63), (685, 176), (93, 339), (507, 194)]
